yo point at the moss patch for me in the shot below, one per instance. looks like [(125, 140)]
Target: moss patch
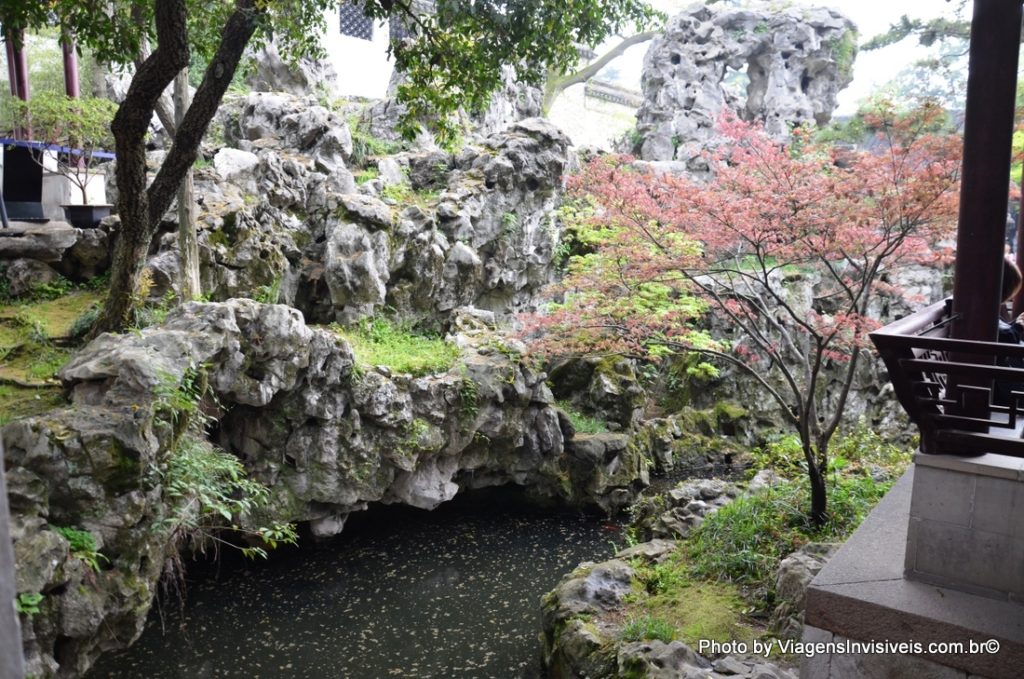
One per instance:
[(27, 353), (583, 424), (55, 316), (19, 402), (666, 597)]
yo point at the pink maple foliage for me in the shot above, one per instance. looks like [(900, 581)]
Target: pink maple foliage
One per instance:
[(786, 244)]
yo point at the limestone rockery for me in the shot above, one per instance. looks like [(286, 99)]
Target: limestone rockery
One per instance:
[(779, 67), (421, 233), (328, 438)]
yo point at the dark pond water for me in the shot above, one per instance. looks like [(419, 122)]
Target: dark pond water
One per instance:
[(401, 593)]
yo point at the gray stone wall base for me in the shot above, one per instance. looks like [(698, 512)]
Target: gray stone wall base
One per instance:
[(862, 594)]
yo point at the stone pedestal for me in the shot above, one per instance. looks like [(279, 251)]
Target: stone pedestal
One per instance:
[(863, 595), (966, 527)]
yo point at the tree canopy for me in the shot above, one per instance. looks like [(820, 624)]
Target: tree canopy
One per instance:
[(453, 61), (787, 248)]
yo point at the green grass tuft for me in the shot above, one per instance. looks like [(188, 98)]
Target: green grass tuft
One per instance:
[(745, 540), (583, 424), (380, 342), (648, 627)]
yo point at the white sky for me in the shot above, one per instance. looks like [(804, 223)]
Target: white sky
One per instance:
[(871, 69), (875, 68)]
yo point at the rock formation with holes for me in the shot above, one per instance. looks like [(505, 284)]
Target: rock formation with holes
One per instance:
[(326, 436), (779, 67)]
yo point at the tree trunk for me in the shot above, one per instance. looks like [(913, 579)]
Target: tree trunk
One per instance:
[(819, 495), (187, 245), (816, 475), (141, 209), (129, 128)]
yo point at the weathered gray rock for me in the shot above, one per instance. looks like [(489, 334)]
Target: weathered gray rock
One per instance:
[(607, 388), (285, 121), (791, 580), (573, 646), (43, 242), (274, 74), (368, 210), (515, 101), (796, 60), (25, 275), (660, 660), (653, 550), (392, 171), (473, 229), (356, 270), (325, 438), (90, 255), (681, 509), (236, 166)]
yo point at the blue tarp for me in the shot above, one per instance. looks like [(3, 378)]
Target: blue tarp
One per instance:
[(39, 145)]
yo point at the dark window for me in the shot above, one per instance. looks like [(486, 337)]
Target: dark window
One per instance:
[(354, 23)]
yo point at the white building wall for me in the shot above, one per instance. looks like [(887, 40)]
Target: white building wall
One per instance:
[(363, 66)]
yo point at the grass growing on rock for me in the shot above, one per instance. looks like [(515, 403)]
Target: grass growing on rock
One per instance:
[(380, 342), (669, 602), (583, 424), (719, 582), (29, 330)]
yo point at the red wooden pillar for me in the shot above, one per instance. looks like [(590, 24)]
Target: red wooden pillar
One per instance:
[(21, 67), (12, 71), (17, 70), (988, 133), (67, 45)]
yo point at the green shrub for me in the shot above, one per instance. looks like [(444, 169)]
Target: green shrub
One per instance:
[(82, 545), (367, 175), (81, 326), (469, 399), (395, 346), (269, 294), (365, 146), (28, 603), (208, 490)]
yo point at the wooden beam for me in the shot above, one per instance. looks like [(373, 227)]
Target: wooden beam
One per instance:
[(988, 134)]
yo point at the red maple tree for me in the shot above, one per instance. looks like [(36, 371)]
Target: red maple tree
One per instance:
[(785, 245)]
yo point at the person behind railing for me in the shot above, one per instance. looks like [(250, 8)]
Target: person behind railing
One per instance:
[(1010, 332), (1011, 233)]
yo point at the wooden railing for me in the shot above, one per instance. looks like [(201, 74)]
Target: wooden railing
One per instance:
[(947, 385)]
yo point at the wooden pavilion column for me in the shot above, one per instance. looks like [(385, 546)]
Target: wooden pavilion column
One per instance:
[(17, 71), (67, 46), (12, 69), (988, 133), (19, 60)]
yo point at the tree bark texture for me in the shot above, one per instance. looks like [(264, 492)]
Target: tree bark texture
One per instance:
[(141, 209), (129, 128), (819, 495), (187, 242), (235, 37)]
